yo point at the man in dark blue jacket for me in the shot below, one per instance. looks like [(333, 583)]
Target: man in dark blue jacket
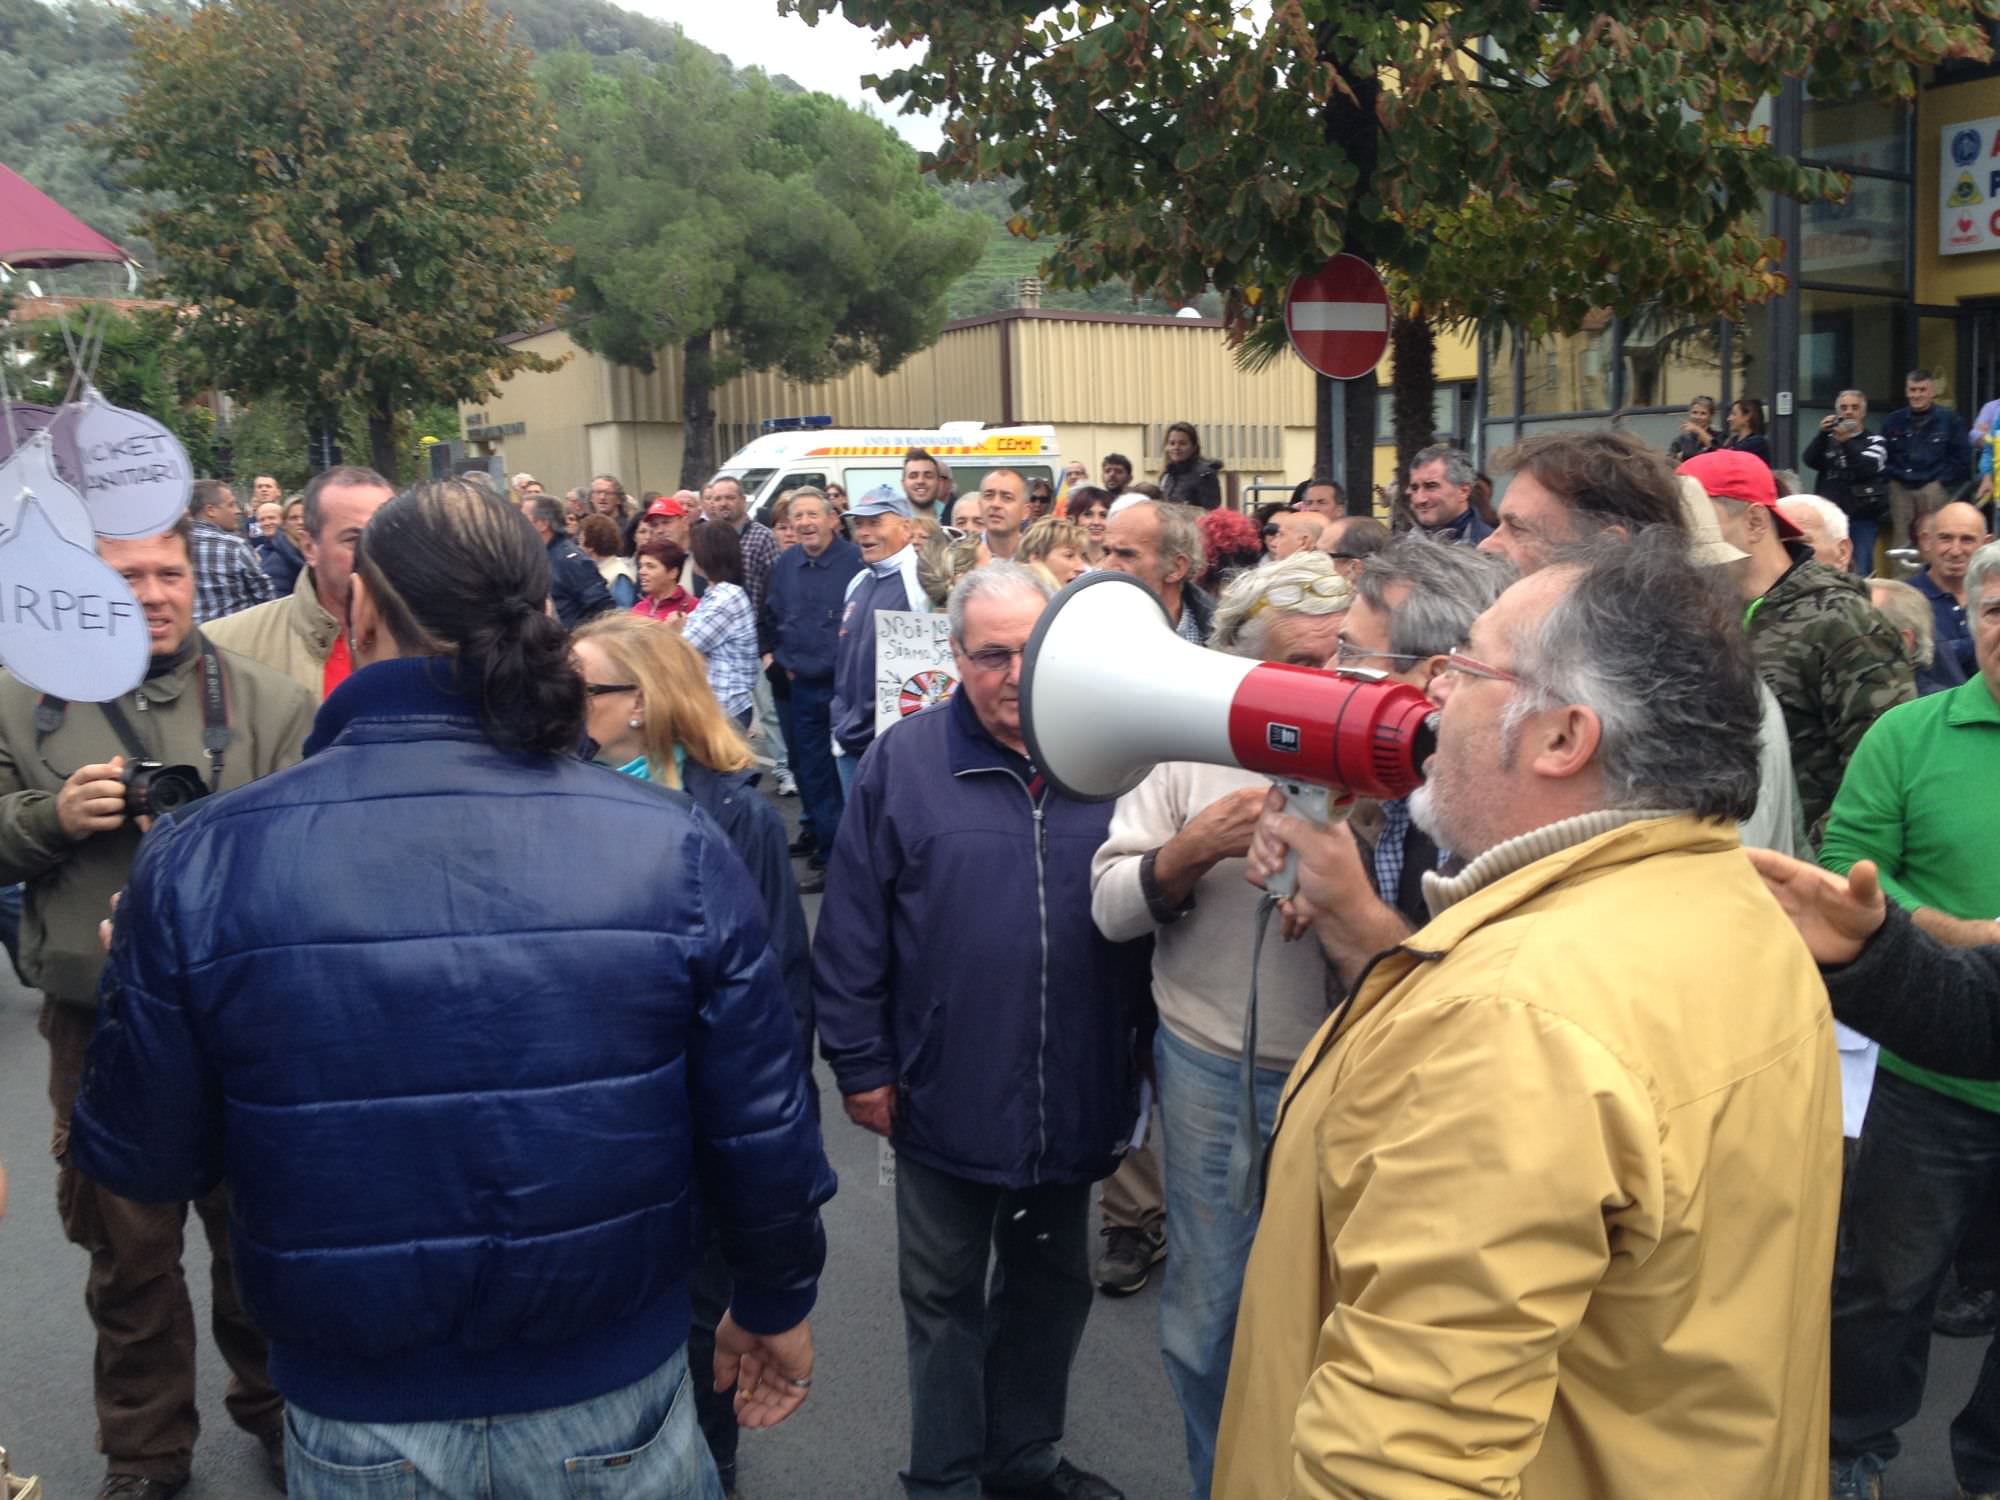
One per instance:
[(802, 621), (477, 1028), (1929, 455), (576, 588), (883, 527), (973, 1014)]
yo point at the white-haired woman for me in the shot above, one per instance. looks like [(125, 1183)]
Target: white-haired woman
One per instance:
[(1172, 868)]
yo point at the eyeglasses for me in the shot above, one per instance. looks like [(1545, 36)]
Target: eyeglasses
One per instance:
[(1460, 665), (1346, 652), (994, 658), (1348, 556), (599, 689), (1292, 595), (834, 489)]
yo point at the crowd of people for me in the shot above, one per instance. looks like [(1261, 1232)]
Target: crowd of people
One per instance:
[(481, 1001)]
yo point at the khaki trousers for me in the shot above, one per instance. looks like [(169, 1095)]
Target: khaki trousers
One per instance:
[(1906, 503)]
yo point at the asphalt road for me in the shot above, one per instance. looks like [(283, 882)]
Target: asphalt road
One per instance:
[(846, 1442)]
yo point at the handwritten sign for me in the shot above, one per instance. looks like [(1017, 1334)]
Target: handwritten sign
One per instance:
[(134, 474), (69, 624), (30, 472), (913, 665)]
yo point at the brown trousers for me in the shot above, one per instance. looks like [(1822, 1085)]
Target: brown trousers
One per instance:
[(1134, 1197), (138, 1298)]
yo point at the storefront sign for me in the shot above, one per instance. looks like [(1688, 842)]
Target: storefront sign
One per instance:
[(1969, 187)]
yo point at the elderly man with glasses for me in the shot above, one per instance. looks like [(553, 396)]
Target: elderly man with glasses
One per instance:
[(995, 1053), (1550, 1204)]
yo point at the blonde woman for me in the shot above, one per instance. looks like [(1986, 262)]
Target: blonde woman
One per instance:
[(648, 706), (1058, 546)]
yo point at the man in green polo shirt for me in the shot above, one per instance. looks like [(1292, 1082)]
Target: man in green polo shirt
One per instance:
[(1922, 800)]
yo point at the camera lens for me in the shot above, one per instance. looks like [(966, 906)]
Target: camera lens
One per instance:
[(152, 789)]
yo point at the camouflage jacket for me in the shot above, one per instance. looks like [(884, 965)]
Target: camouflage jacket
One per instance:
[(1834, 665)]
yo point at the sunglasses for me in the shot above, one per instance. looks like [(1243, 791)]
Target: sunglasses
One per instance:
[(1271, 528), (599, 689)]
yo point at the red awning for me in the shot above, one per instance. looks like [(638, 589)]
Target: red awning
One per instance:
[(35, 230)]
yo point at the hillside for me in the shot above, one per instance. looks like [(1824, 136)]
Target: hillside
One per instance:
[(62, 66)]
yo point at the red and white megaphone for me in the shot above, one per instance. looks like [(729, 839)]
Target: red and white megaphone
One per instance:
[(1109, 690)]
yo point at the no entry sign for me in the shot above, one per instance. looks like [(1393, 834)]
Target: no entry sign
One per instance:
[(1338, 317)]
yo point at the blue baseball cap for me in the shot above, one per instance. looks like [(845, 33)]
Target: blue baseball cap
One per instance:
[(882, 501)]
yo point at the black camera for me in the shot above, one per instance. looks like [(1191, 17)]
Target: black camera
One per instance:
[(153, 790)]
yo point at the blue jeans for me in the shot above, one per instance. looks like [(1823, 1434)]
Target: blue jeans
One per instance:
[(822, 790), (640, 1442), (1922, 1172), (1863, 534), (1208, 1240)]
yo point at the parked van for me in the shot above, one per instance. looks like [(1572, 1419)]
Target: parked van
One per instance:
[(802, 451)]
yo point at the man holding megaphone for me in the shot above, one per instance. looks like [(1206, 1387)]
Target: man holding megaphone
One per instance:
[(1551, 1197)]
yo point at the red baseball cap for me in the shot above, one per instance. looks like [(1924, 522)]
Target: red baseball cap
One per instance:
[(666, 506), (1728, 474)]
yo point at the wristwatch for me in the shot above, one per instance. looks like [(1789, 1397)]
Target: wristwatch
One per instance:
[(1156, 899)]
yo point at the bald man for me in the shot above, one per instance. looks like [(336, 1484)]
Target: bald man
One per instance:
[(1297, 531), (1957, 531)]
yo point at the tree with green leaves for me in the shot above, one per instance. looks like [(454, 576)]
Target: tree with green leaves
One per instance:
[(1502, 162), (748, 227), (362, 192)]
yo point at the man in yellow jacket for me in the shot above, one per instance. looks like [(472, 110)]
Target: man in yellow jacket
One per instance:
[(1550, 1201)]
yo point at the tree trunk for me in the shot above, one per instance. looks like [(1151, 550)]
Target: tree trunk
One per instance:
[(697, 412), (1359, 466), (382, 438), (1414, 344)]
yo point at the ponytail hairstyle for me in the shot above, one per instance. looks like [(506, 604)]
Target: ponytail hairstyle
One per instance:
[(459, 574)]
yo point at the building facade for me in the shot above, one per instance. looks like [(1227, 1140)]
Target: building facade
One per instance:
[(1904, 273), (1108, 383)]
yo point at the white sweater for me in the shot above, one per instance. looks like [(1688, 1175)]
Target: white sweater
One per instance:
[(1201, 964)]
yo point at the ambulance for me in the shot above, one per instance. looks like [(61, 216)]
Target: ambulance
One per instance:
[(811, 450)]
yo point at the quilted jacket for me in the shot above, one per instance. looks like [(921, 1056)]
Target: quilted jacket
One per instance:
[(467, 1033)]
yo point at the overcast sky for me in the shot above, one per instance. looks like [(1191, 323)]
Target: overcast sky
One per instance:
[(830, 57)]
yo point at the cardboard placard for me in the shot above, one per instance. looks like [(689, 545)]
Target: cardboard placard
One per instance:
[(913, 664), (133, 473)]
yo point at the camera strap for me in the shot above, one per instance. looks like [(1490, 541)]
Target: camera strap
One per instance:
[(215, 731)]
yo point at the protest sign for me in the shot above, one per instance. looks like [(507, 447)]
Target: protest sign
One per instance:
[(69, 625), (913, 664), (30, 470), (132, 472)]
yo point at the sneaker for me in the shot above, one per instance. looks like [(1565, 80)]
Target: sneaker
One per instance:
[(1855, 1479), (813, 882), (1068, 1482), (805, 843), (1129, 1257), (1962, 1314), (787, 785)]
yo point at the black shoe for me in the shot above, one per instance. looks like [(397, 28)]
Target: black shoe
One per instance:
[(1962, 1314), (1129, 1257), (138, 1487), (1068, 1482), (274, 1458), (813, 882), (805, 843)]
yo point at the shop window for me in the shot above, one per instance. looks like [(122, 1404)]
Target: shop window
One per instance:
[(1851, 339), (1862, 241)]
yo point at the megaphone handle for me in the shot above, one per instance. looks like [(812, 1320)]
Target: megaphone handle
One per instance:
[(1309, 800)]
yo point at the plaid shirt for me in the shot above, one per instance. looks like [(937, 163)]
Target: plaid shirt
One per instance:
[(723, 628), (1388, 870), (760, 551), (227, 575)]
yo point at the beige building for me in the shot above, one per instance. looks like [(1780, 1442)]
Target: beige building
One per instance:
[(1106, 382)]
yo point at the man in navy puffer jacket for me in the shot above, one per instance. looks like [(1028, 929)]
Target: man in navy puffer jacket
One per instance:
[(464, 1069), (974, 1015)]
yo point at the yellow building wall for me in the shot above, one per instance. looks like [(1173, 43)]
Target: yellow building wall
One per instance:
[(1106, 387), (1948, 279)]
